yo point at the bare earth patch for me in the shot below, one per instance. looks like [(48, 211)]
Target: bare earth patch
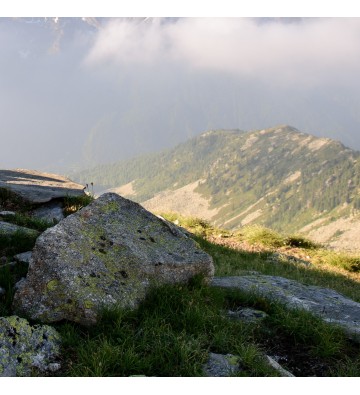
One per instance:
[(342, 234), (182, 200), (124, 190)]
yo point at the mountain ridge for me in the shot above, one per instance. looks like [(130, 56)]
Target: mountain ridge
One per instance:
[(278, 177)]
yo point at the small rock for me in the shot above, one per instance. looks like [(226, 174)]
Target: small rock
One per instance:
[(247, 315), (283, 372), (5, 213), (23, 257), (54, 367), (220, 365), (2, 291)]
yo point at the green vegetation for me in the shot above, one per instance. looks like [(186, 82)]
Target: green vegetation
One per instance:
[(15, 243), (27, 221), (12, 202), (257, 234), (75, 203), (176, 326), (292, 177)]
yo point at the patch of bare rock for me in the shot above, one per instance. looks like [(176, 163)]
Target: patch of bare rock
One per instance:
[(326, 303), (37, 187)]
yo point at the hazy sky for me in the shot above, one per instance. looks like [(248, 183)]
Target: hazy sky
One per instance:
[(81, 91)]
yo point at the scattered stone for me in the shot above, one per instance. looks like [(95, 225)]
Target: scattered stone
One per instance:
[(23, 257), (220, 365), (50, 212), (106, 254), (326, 303), (283, 372), (247, 315), (5, 213), (280, 257), (37, 187), (24, 348), (2, 291), (3, 260), (10, 229)]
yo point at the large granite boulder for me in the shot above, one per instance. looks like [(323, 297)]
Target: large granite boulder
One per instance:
[(108, 253), (26, 349), (36, 187)]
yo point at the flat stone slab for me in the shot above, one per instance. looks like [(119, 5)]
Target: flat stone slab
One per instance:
[(10, 229), (37, 187), (326, 303), (106, 254)]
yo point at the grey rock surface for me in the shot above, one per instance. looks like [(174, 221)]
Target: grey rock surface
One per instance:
[(23, 257), (326, 303), (5, 213), (37, 187), (275, 365), (105, 254), (24, 348), (10, 229), (50, 212), (247, 315), (219, 365)]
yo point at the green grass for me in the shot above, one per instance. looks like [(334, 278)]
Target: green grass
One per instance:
[(75, 203), (176, 326), (17, 242), (9, 276), (10, 201), (256, 234), (27, 221)]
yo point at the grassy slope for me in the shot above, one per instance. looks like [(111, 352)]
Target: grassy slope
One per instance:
[(253, 168), (176, 327)]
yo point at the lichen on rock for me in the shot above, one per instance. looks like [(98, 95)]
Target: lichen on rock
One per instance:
[(25, 349), (108, 253)]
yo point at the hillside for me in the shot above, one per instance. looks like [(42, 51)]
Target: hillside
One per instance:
[(278, 177)]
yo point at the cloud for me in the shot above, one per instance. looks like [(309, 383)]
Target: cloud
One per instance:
[(308, 51)]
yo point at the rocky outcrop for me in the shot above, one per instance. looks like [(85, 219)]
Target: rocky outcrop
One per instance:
[(25, 348), (36, 187), (326, 303), (106, 254)]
